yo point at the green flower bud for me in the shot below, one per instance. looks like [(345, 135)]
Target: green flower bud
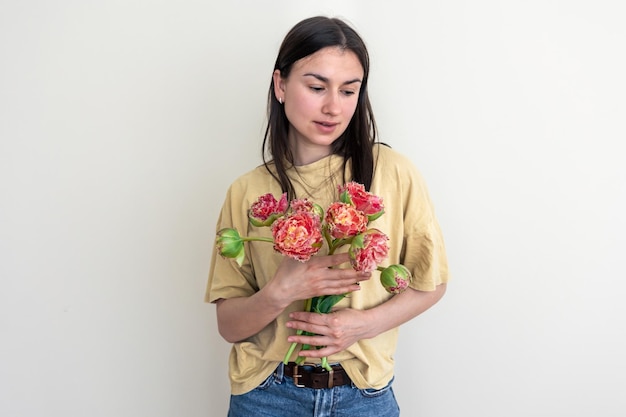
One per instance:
[(230, 245), (395, 278)]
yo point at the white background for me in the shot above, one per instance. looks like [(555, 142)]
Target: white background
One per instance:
[(123, 122)]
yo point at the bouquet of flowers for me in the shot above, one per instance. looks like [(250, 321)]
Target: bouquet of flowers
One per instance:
[(300, 227)]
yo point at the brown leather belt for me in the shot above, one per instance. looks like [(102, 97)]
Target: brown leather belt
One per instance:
[(316, 377)]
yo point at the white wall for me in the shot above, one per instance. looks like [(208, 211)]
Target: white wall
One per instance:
[(123, 122)]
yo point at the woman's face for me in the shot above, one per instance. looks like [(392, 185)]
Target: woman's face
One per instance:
[(320, 97)]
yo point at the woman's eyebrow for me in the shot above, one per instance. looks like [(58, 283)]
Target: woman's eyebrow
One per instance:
[(326, 80)]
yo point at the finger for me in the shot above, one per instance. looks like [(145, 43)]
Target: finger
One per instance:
[(319, 353), (343, 287), (306, 327), (316, 340), (347, 275), (308, 334), (335, 283), (363, 276), (302, 318), (333, 260)]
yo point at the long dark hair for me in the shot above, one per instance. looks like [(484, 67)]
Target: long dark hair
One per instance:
[(355, 144)]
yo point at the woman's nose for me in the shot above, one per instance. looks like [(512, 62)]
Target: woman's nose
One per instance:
[(331, 104)]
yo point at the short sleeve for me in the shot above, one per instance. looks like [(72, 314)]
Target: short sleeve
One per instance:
[(410, 220), (424, 251), (226, 278)]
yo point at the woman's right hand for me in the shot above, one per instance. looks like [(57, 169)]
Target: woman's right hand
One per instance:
[(295, 280)]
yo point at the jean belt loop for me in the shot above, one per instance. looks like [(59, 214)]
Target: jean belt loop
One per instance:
[(279, 373)]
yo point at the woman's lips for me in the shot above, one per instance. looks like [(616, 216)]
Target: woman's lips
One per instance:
[(326, 127)]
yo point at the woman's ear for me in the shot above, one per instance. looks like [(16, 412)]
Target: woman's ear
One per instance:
[(279, 86)]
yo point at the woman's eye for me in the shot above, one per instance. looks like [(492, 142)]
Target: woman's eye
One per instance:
[(316, 88), (348, 92)]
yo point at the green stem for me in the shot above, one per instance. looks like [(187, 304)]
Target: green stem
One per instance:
[(259, 239), (328, 238), (289, 352), (307, 308), (325, 364), (300, 359), (338, 243)]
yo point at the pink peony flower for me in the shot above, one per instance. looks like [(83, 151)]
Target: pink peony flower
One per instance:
[(344, 220), (303, 204), (395, 278), (368, 250), (266, 209), (368, 203), (298, 235)]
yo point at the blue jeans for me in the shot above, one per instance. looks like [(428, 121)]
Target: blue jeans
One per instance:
[(277, 396)]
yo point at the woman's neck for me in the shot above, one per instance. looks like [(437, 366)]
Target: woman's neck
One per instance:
[(305, 154)]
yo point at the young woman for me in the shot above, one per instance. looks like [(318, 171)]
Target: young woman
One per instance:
[(321, 134)]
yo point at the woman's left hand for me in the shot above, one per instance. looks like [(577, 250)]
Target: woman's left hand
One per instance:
[(335, 331), (340, 329)]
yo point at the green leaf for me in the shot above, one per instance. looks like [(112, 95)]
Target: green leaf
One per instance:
[(345, 197), (326, 303), (374, 216), (358, 241)]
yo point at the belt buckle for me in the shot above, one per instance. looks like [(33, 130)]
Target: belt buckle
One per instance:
[(331, 381), (296, 376)]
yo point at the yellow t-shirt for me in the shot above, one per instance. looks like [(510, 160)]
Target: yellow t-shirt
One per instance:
[(415, 241)]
